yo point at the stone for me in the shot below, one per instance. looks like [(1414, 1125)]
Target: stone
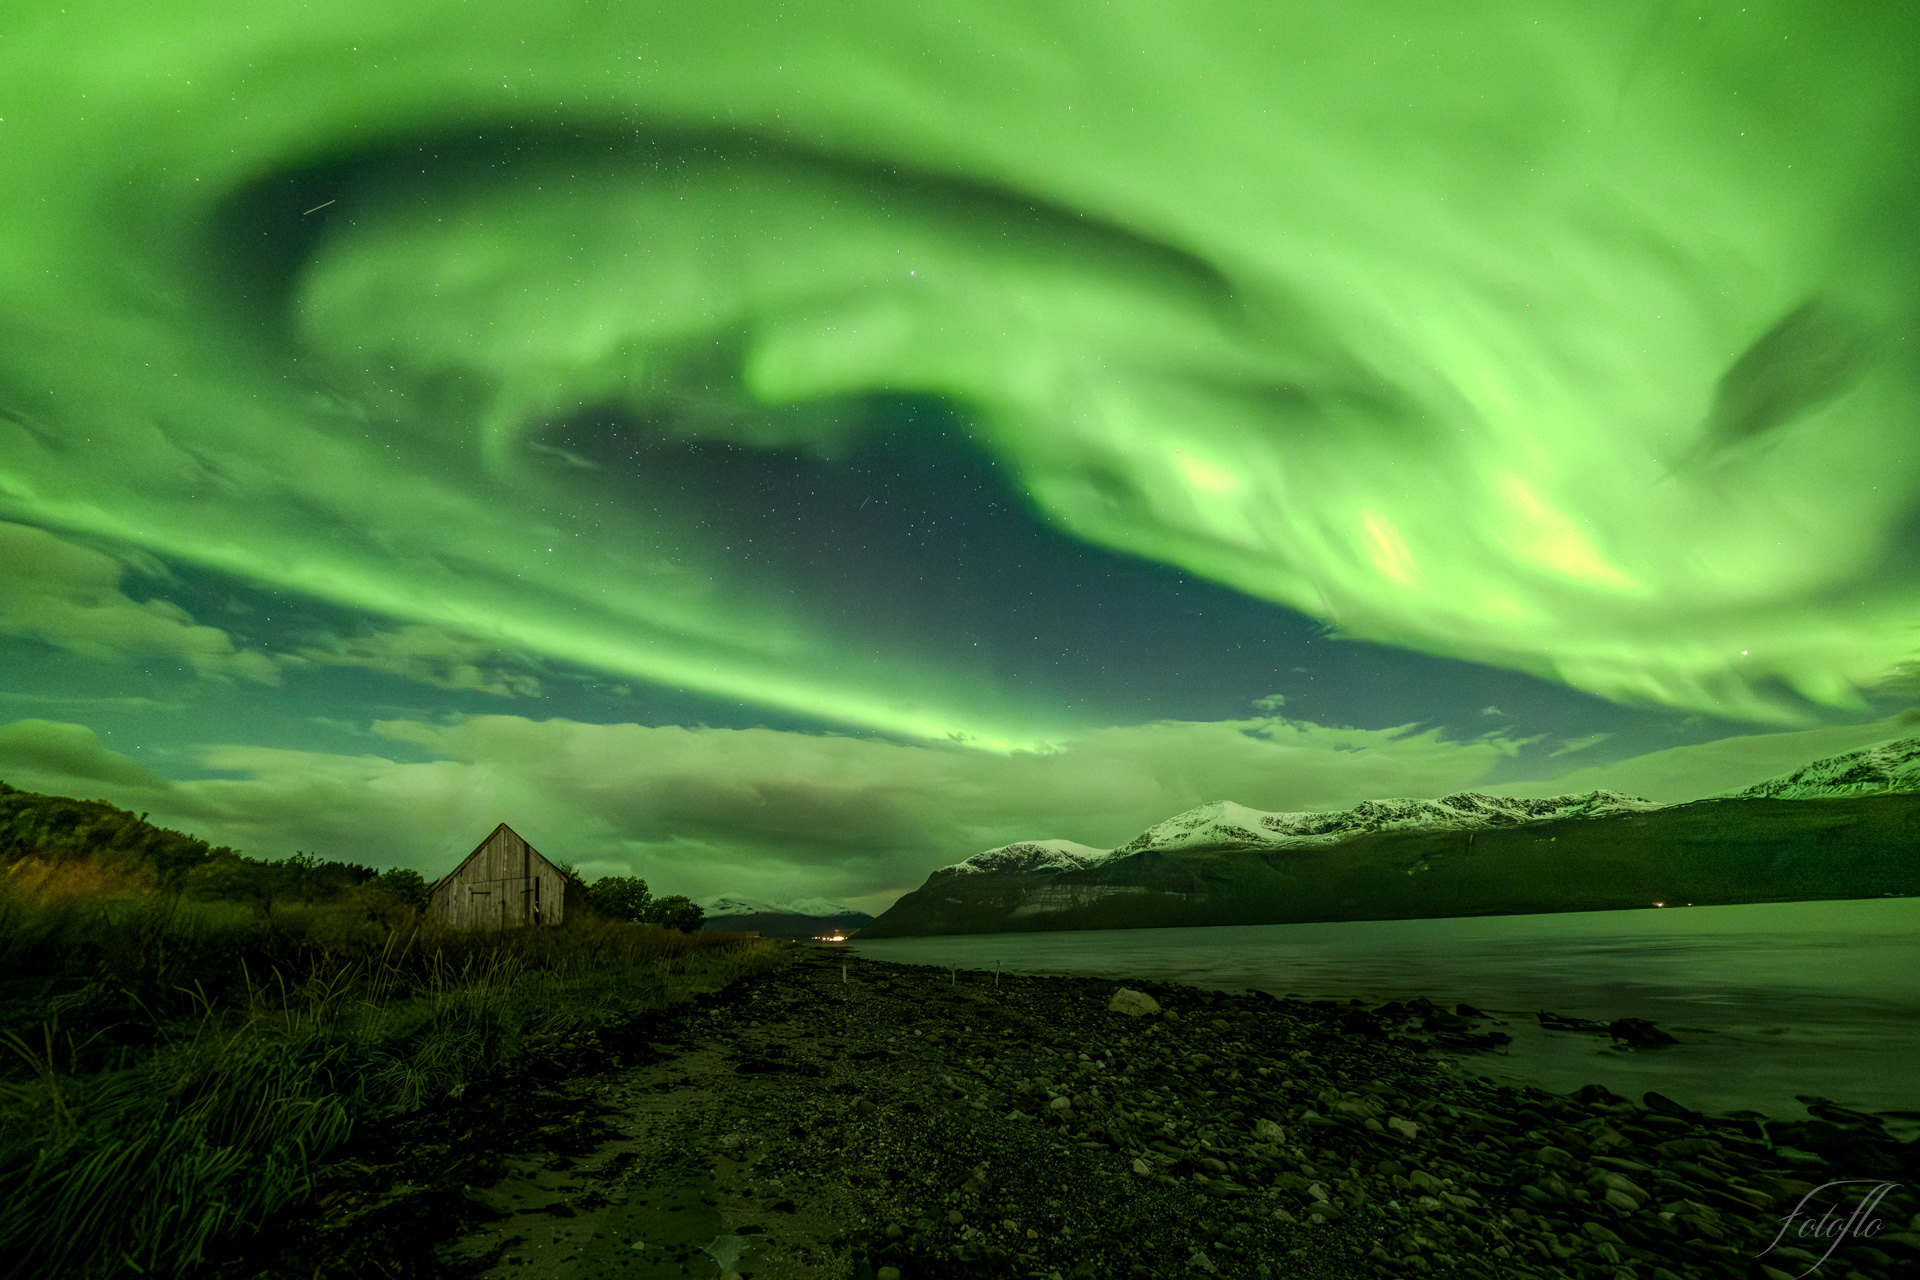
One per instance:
[(1599, 1234), (887, 1273), (1405, 1128), (955, 1217), (1134, 1004), (1062, 1103), (1265, 1130), (1140, 1168)]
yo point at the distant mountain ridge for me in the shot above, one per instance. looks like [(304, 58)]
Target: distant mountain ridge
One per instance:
[(1842, 826), (1889, 767), (800, 918), (732, 905), (1224, 825)]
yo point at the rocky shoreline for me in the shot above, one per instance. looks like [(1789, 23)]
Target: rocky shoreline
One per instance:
[(851, 1119)]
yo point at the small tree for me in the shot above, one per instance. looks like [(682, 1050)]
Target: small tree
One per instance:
[(622, 897), (403, 885), (676, 912)]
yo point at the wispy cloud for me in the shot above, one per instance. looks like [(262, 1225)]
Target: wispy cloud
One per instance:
[(69, 596)]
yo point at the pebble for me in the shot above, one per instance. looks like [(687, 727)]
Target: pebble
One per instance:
[(1237, 1137)]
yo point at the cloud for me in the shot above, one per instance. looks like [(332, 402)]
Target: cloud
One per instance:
[(69, 757), (720, 810), (1708, 768), (428, 655), (780, 814), (69, 596)]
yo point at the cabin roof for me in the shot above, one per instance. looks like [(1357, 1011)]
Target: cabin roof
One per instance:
[(486, 840)]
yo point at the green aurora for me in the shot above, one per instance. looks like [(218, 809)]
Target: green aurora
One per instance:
[(1574, 340)]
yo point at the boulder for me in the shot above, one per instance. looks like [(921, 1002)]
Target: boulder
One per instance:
[(1133, 1003)]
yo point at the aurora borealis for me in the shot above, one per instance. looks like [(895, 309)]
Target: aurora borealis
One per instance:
[(972, 382)]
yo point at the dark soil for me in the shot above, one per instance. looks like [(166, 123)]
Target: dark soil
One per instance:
[(846, 1119)]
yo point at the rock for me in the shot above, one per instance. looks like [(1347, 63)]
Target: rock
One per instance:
[(1620, 1190), (1639, 1033), (1265, 1130), (955, 1217), (1140, 1168), (1599, 1234), (1202, 1261), (1405, 1128), (1061, 1104), (1661, 1104), (1561, 1022), (1134, 1004), (1553, 1156), (887, 1273)]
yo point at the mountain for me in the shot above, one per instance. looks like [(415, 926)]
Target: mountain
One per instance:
[(802, 918), (1843, 827), (1889, 767)]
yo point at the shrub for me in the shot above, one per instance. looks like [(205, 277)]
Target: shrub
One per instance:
[(675, 912), (622, 897), (404, 886)]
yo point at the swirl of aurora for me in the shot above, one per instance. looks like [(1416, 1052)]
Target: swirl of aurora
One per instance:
[(1579, 340)]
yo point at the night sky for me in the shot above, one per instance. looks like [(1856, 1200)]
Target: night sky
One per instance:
[(781, 450)]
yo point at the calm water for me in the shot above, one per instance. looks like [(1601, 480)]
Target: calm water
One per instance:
[(1768, 1001)]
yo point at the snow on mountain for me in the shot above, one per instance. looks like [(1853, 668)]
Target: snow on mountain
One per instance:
[(1028, 855), (1891, 766), (731, 905), (1226, 825)]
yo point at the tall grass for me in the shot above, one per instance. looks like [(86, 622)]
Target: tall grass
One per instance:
[(175, 1069)]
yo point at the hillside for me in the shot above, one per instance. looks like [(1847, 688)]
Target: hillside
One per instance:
[(801, 919), (59, 829), (1843, 827)]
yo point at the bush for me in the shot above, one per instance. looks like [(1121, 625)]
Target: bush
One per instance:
[(406, 887), (622, 897), (675, 912)]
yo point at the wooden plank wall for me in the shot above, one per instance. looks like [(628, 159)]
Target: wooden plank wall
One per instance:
[(505, 884)]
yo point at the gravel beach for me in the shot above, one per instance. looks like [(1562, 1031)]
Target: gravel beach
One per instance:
[(849, 1118)]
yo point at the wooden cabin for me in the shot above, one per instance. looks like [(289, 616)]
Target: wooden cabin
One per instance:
[(502, 884)]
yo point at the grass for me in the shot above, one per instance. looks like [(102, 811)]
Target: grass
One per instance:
[(173, 1068)]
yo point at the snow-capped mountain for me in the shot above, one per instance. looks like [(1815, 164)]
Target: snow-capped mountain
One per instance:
[(1891, 766), (1224, 825), (1461, 855), (1028, 855)]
